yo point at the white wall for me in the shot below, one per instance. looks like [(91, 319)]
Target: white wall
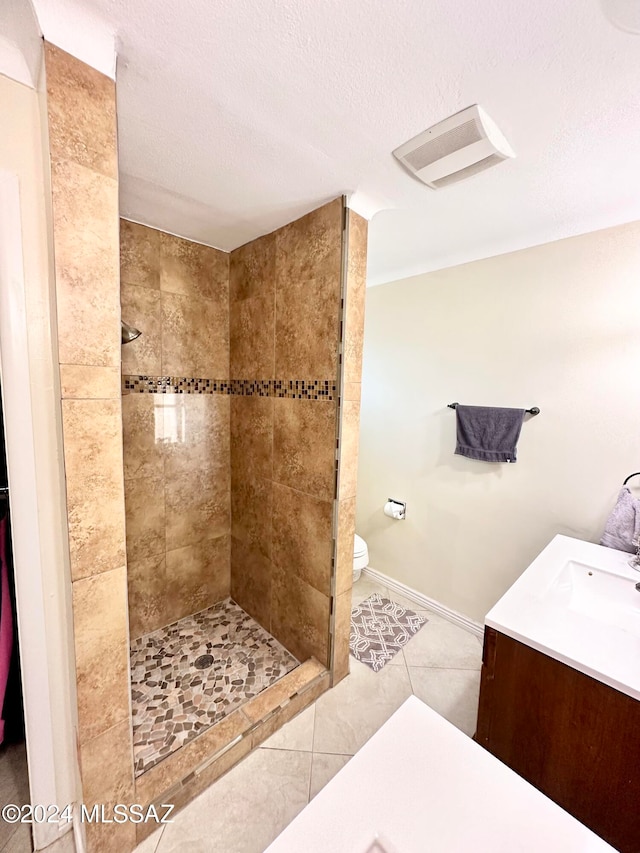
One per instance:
[(20, 42), (556, 326)]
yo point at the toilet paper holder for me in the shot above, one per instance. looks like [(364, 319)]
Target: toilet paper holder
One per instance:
[(395, 509)]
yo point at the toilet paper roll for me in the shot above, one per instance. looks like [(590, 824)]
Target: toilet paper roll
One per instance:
[(394, 510)]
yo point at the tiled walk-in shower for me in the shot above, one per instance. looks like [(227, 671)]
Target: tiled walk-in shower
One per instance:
[(191, 674), (220, 473)]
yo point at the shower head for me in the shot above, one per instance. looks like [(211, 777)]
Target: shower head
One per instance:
[(129, 333)]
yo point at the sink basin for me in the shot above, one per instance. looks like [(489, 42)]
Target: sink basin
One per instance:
[(599, 594), (577, 603)]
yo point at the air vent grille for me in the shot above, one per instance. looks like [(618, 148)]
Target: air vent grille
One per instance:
[(468, 171), (444, 144), (456, 148)]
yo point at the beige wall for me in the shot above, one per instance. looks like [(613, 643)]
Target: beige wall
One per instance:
[(176, 445), (285, 292), (555, 326), (84, 184)]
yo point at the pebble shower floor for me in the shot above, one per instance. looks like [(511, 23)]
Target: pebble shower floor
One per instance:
[(177, 691)]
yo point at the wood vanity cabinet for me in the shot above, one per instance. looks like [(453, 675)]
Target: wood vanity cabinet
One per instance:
[(577, 740)]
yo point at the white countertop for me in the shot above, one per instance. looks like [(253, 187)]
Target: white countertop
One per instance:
[(428, 788), (597, 630)]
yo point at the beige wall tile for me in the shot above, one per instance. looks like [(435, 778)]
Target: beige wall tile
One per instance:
[(252, 437), (147, 586), (195, 337), (346, 531), (111, 837), (251, 581), (252, 269), (352, 391), (304, 446), (186, 436), (307, 328), (139, 255), (341, 637), (145, 515), (106, 767), (102, 652), (308, 292), (195, 783), (294, 682), (85, 382), (191, 269), (85, 221), (356, 289), (81, 104), (251, 325), (197, 505), (299, 616), (107, 779), (141, 309), (95, 491), (197, 576), (251, 509), (185, 760), (298, 703), (196, 430), (349, 450), (144, 830), (291, 442), (310, 247), (84, 173), (252, 309), (302, 539), (143, 435)]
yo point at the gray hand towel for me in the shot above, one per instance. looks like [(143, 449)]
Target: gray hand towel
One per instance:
[(622, 530), (488, 434)]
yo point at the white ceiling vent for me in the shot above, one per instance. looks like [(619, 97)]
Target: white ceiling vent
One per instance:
[(455, 149)]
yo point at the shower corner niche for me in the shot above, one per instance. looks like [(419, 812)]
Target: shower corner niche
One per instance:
[(230, 483)]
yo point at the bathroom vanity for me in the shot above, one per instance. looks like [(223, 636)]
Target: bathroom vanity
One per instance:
[(560, 686)]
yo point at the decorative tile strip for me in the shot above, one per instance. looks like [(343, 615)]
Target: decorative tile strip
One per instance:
[(296, 389), (173, 385)]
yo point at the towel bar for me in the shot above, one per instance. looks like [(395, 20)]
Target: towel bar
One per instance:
[(534, 410)]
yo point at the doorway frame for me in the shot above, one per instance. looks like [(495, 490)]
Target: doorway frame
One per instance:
[(42, 598)]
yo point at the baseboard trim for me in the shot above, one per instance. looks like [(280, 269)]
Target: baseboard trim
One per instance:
[(425, 602)]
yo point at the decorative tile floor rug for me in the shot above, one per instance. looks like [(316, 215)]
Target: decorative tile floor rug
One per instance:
[(191, 674), (379, 629)]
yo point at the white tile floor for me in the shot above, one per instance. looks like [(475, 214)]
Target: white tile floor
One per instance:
[(246, 809)]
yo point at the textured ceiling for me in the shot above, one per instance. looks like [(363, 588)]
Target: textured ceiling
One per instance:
[(236, 117)]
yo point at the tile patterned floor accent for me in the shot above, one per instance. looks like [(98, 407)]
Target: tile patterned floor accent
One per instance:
[(174, 701), (379, 629)]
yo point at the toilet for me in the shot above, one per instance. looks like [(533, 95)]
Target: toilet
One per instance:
[(360, 556)]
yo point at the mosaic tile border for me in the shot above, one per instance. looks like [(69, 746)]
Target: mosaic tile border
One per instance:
[(296, 389)]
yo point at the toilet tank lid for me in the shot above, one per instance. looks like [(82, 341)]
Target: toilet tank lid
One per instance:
[(359, 545)]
